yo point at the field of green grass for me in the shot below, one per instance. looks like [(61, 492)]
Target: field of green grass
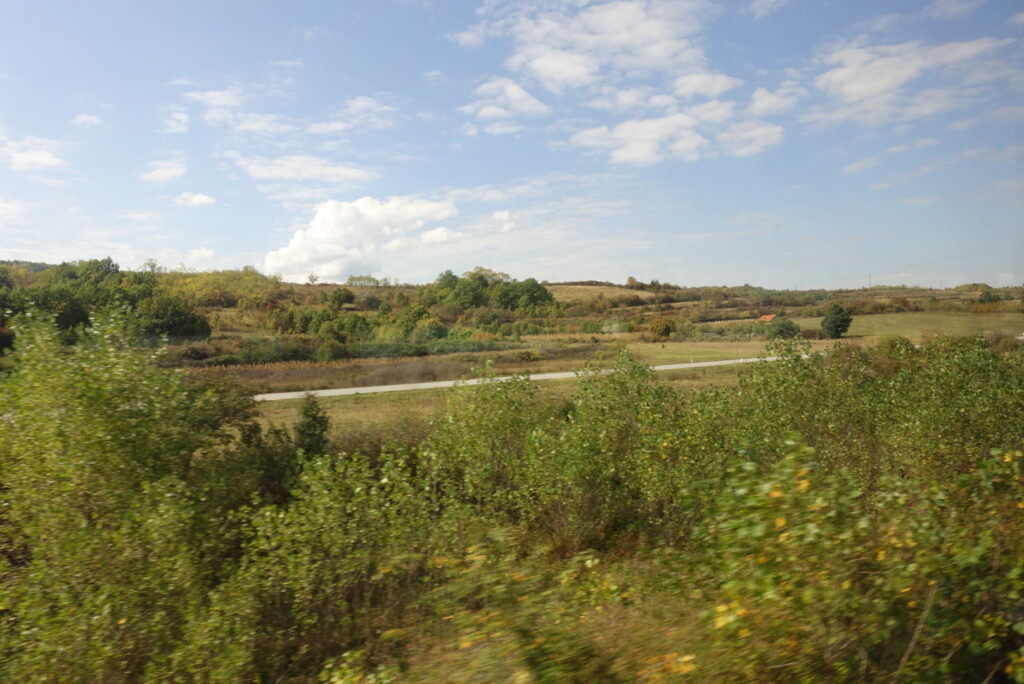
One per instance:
[(580, 293), (918, 325)]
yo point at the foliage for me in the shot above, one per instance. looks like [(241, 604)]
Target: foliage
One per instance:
[(783, 328), (849, 515), (837, 321)]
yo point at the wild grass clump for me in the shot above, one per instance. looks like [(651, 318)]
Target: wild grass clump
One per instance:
[(850, 515)]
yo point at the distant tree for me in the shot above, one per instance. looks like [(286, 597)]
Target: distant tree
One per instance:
[(836, 322), (340, 297), (988, 296), (783, 328), (172, 316), (660, 327)]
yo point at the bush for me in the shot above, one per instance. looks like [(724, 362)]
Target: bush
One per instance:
[(836, 322), (331, 350), (783, 328)]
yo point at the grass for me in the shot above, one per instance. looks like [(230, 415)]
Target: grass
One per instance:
[(365, 421), (581, 293), (918, 325)]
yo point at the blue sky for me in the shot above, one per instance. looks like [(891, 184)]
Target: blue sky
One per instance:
[(783, 143)]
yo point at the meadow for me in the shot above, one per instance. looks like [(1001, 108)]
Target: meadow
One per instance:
[(853, 512), (855, 515)]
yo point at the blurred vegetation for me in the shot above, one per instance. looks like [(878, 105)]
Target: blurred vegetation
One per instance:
[(852, 515)]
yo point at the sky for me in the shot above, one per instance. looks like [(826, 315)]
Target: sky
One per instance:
[(781, 143)]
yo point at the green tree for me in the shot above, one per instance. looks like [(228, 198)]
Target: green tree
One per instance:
[(837, 321), (311, 430), (783, 328)]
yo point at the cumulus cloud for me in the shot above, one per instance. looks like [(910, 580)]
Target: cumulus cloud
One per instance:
[(945, 10), (641, 142), (87, 120), (228, 98), (261, 124), (161, 171), (750, 138), (870, 82), (570, 45), (1016, 20), (346, 238), (762, 8), (176, 121), (501, 101), (359, 112), (194, 199), (31, 154), (705, 83), (764, 102)]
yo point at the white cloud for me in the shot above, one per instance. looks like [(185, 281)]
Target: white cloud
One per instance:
[(870, 83), (346, 238), (439, 235), (301, 167), (705, 83), (432, 76), (1008, 113), (182, 81), (501, 102), (762, 8), (765, 102), (11, 211), (165, 170), (712, 111), (642, 142), (228, 98), (750, 138), (176, 121), (31, 154), (200, 254), (503, 98), (504, 220), (915, 145), (945, 10), (1016, 20), (861, 165), (359, 112), (261, 124), (194, 199), (87, 120), (571, 45)]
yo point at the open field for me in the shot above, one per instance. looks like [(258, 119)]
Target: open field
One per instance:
[(918, 325), (365, 420), (579, 293)]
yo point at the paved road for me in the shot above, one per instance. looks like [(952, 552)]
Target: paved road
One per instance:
[(566, 375)]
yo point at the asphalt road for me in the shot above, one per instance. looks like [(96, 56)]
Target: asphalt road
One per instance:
[(565, 375)]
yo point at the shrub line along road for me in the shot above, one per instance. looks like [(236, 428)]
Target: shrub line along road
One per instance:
[(562, 375)]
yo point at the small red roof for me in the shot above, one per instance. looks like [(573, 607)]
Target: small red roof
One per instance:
[(767, 318)]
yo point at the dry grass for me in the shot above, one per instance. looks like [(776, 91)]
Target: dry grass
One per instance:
[(582, 293)]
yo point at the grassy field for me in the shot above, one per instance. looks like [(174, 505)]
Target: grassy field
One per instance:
[(918, 325), (579, 293), (365, 421)]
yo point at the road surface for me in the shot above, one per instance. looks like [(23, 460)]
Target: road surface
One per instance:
[(564, 375)]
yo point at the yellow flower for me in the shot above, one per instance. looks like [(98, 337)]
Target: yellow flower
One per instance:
[(775, 493), (780, 522), (803, 484), (880, 555)]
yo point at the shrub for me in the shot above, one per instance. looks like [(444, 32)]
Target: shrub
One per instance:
[(836, 322)]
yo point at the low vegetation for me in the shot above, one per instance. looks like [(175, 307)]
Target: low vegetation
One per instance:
[(853, 515)]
